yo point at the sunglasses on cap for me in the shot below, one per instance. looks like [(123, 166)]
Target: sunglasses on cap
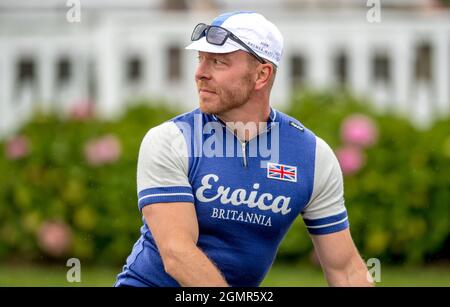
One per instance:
[(216, 35)]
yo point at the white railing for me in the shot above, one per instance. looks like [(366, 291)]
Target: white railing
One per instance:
[(98, 48)]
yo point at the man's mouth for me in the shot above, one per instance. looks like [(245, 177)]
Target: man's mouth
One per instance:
[(204, 90)]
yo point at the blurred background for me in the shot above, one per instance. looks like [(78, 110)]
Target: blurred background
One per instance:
[(81, 82)]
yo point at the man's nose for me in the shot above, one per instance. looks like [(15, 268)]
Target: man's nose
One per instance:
[(202, 71)]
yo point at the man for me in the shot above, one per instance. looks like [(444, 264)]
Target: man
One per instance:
[(214, 209)]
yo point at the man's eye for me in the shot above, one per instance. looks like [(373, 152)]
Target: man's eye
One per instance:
[(216, 61)]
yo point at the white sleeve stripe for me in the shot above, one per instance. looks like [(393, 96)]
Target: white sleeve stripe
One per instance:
[(331, 224), (165, 194)]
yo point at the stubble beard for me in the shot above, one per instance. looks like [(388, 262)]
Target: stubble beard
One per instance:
[(227, 99)]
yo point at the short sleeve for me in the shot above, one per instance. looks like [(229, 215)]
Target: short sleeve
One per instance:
[(325, 212), (162, 170)]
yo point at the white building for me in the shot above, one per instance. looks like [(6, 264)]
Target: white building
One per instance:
[(121, 51)]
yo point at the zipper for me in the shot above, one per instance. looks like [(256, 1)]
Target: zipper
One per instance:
[(244, 154), (244, 144)]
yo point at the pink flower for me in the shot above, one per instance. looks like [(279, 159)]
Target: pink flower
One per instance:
[(17, 148), (351, 159), (102, 150), (82, 110), (54, 238), (359, 130)]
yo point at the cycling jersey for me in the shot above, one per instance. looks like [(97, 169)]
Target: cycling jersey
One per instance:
[(246, 194)]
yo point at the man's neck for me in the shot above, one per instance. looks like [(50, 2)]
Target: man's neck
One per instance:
[(246, 121)]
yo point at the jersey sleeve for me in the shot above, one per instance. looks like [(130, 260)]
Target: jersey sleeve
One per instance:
[(325, 212), (162, 169)]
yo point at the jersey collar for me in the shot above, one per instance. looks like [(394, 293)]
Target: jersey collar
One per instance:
[(273, 117)]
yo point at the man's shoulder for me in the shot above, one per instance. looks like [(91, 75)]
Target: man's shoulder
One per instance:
[(171, 126), (293, 125), (296, 128), (187, 117)]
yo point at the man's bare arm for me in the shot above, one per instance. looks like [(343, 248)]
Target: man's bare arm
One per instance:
[(174, 227), (340, 260)]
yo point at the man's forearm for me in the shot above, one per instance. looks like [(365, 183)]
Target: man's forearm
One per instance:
[(355, 274), (191, 267)]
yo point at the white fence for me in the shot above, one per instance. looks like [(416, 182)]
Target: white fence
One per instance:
[(48, 64)]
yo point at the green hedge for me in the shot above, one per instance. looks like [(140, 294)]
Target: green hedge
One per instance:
[(398, 203), (55, 183)]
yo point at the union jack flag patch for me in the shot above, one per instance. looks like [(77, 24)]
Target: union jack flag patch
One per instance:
[(281, 172)]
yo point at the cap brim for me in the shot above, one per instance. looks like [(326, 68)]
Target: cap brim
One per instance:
[(203, 45)]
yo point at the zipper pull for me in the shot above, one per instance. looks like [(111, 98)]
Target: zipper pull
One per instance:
[(244, 154)]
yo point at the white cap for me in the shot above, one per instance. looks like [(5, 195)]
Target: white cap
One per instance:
[(252, 28)]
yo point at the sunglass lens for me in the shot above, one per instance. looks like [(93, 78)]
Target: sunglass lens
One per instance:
[(216, 35), (198, 31)]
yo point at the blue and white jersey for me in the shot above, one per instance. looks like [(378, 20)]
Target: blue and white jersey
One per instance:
[(246, 194)]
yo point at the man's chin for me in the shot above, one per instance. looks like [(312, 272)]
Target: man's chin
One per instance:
[(208, 108)]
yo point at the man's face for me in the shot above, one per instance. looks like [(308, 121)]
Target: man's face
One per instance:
[(224, 81)]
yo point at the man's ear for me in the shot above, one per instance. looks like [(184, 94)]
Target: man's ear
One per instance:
[(265, 72)]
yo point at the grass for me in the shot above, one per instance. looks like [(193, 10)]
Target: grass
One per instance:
[(390, 277), (280, 275), (55, 276)]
